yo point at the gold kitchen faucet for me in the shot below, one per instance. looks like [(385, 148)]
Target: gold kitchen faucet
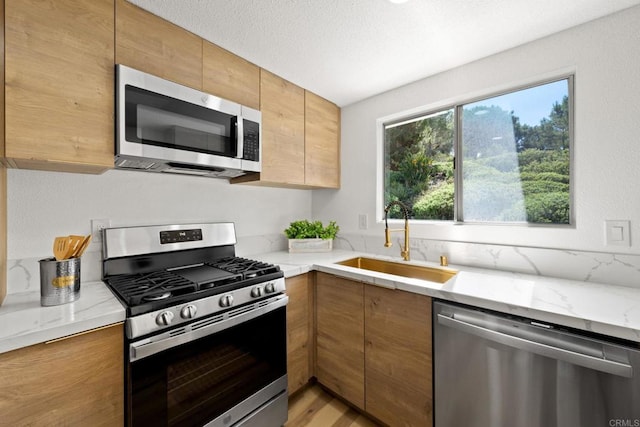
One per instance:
[(404, 252)]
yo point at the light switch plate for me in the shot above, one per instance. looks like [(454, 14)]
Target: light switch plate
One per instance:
[(363, 221), (97, 225), (617, 232)]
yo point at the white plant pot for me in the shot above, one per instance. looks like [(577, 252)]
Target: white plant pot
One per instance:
[(310, 245)]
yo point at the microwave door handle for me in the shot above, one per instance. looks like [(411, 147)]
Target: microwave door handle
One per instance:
[(240, 137)]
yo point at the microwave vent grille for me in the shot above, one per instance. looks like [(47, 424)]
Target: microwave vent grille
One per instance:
[(136, 164)]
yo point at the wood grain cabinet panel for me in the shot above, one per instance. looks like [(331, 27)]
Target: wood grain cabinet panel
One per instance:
[(230, 77), (282, 106), (75, 381), (340, 336), (398, 357), (151, 44), (59, 80), (299, 331), (322, 142)]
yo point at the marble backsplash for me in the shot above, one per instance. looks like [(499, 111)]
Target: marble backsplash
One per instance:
[(597, 267), (23, 275)]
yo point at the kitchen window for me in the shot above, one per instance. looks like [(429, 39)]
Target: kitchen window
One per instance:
[(499, 159)]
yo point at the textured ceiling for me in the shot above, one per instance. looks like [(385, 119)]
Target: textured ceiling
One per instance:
[(348, 50)]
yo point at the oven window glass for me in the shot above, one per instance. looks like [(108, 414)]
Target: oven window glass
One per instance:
[(155, 119), (198, 381)]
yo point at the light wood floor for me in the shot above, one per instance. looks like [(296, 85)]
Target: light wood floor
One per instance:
[(315, 408)]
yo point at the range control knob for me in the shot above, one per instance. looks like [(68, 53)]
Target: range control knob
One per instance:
[(164, 318), (188, 311), (226, 301), (270, 288), (256, 292)]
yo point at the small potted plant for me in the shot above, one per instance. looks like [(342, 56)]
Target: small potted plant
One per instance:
[(307, 236)]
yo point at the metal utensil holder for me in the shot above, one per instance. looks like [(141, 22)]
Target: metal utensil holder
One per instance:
[(59, 281)]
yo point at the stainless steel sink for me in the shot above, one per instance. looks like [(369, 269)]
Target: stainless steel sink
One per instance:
[(432, 274)]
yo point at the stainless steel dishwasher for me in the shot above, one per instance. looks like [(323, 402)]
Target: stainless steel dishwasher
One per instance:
[(494, 370)]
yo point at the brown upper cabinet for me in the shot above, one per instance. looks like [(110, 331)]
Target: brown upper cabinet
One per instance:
[(282, 106), (300, 137), (151, 44), (228, 76), (59, 79), (321, 142), (59, 90)]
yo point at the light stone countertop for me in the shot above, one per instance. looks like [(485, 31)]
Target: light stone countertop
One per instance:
[(600, 308), (24, 322)]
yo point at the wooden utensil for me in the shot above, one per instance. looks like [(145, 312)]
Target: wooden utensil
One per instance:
[(83, 246), (60, 247), (74, 245)]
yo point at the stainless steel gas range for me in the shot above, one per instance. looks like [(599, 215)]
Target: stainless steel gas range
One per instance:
[(205, 330)]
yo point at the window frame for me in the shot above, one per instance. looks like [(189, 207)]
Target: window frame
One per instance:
[(458, 105)]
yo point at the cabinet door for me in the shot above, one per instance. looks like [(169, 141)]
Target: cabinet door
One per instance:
[(340, 336), (229, 76), (156, 46), (322, 142), (75, 381), (59, 80), (398, 357), (299, 337), (282, 106)]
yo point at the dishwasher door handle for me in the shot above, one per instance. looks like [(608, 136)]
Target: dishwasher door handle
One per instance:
[(588, 361)]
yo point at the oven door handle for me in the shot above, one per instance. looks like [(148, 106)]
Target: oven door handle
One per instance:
[(150, 346)]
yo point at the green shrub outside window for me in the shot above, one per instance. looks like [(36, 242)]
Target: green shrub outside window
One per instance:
[(503, 159)]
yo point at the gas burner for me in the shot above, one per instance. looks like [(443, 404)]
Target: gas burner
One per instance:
[(157, 297), (138, 288), (248, 268)]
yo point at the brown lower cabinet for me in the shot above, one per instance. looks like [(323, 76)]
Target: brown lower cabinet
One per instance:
[(373, 348), (398, 375), (299, 331), (74, 381), (340, 337)]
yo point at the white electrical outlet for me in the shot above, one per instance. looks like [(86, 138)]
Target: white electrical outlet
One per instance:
[(97, 225), (617, 232), (363, 221)]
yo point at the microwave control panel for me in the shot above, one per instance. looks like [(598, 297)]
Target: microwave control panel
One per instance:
[(251, 150)]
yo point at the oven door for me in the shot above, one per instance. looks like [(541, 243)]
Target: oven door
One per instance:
[(226, 370)]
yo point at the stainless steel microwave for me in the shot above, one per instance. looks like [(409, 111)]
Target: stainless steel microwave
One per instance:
[(163, 126)]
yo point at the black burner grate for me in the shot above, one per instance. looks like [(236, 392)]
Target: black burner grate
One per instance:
[(143, 292), (135, 289), (247, 267)]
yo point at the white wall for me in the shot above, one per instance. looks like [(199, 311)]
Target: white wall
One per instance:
[(606, 60), (42, 205), (605, 56)]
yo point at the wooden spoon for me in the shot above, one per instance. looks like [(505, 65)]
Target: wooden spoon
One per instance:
[(60, 247)]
